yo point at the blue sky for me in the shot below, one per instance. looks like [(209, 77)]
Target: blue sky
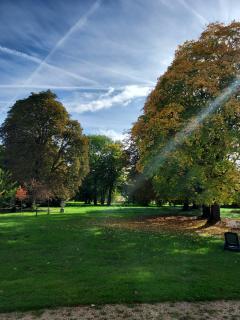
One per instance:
[(101, 57)]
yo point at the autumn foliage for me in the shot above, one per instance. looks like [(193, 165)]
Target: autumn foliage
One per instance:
[(21, 194), (203, 169)]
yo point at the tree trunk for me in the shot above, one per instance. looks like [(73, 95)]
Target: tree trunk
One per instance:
[(110, 190), (95, 193), (195, 206), (206, 212), (95, 199), (215, 214), (185, 205), (102, 197)]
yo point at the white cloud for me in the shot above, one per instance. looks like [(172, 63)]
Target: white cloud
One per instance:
[(111, 98), (114, 135)]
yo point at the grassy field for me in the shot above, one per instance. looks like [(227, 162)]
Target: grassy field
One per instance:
[(78, 258)]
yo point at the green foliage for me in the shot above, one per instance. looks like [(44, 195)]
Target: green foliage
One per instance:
[(204, 168), (135, 192), (106, 161), (7, 189), (43, 144)]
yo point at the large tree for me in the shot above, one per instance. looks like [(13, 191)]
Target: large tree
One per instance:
[(203, 165), (41, 143)]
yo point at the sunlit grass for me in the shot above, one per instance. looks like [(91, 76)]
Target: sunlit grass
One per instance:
[(77, 258)]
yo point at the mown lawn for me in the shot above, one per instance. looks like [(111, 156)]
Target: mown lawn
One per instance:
[(76, 258)]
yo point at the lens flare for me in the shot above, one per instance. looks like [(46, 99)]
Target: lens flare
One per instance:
[(157, 160)]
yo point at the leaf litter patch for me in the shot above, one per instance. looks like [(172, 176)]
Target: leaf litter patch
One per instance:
[(175, 224)]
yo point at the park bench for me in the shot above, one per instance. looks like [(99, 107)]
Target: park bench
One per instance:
[(231, 241)]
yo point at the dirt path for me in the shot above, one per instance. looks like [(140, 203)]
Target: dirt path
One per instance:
[(218, 310)]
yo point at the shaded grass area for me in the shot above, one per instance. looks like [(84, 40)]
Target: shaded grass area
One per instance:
[(76, 258)]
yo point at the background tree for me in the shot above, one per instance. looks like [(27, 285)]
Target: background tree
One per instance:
[(136, 193), (7, 189), (21, 195), (204, 168), (43, 144), (106, 161), (112, 164), (38, 193)]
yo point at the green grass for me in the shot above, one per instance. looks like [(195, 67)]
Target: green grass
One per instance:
[(75, 258)]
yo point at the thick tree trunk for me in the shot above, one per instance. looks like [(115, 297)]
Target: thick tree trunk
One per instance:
[(185, 205), (110, 190), (206, 212), (215, 214)]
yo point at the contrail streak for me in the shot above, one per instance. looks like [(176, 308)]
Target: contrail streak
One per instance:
[(40, 86), (113, 71), (194, 12), (78, 25), (180, 137), (39, 61)]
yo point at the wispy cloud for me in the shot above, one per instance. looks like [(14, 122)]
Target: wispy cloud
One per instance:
[(82, 21), (112, 97), (20, 54), (48, 65), (91, 46), (76, 26), (201, 19), (45, 87)]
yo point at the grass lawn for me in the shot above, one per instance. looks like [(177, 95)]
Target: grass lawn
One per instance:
[(78, 258)]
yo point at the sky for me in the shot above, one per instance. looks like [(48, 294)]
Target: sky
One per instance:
[(101, 57)]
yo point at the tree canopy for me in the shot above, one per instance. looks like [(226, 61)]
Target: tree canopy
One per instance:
[(42, 144), (204, 167), (106, 161), (7, 189)]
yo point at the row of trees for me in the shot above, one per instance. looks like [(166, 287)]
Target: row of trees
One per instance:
[(164, 160), (201, 167)]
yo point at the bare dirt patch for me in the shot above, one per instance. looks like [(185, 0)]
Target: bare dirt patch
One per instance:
[(220, 310), (176, 224)]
